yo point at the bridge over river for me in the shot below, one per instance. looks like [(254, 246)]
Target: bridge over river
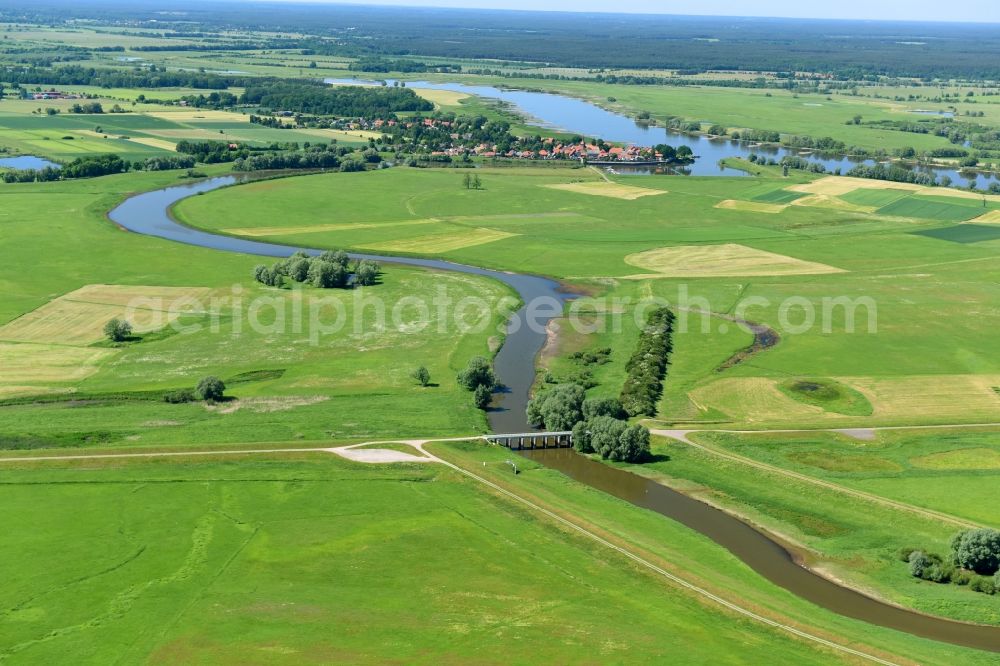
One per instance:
[(533, 440)]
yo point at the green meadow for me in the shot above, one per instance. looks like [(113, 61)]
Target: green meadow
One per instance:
[(850, 538), (950, 471), (312, 558), (320, 384), (859, 298)]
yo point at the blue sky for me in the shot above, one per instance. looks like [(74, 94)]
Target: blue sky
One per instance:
[(985, 11)]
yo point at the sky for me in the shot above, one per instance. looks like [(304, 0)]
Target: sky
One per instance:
[(979, 11)]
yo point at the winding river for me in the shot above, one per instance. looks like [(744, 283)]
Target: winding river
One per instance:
[(149, 214)]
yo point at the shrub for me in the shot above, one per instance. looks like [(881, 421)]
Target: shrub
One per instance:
[(117, 330), (603, 407), (422, 375), (977, 550), (179, 396), (920, 562), (298, 269), (982, 584), (210, 389), (327, 275), (581, 438), (482, 396), (477, 373), (366, 273)]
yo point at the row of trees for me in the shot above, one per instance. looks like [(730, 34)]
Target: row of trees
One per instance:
[(598, 424), (648, 365), (974, 561), (891, 172), (330, 270), (97, 165)]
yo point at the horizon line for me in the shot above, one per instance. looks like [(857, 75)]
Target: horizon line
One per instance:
[(583, 12)]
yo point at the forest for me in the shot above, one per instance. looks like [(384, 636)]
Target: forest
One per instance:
[(917, 49)]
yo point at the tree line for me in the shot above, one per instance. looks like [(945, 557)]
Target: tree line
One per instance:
[(647, 366), (322, 99), (92, 166)]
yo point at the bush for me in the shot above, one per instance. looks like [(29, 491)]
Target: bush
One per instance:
[(366, 273), (210, 389), (559, 408), (581, 438), (982, 584), (477, 373), (298, 269), (920, 562), (179, 396), (482, 396), (617, 440), (422, 375), (977, 550), (603, 407), (118, 330)]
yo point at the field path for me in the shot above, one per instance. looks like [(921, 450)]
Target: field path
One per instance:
[(683, 436)]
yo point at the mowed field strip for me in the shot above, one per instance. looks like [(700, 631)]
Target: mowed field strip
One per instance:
[(729, 259), (78, 318), (320, 228), (49, 345), (751, 206), (607, 189), (25, 364), (443, 242)]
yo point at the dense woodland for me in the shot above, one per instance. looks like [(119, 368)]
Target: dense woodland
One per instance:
[(576, 40)]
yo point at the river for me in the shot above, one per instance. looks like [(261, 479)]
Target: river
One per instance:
[(576, 116), (149, 214)]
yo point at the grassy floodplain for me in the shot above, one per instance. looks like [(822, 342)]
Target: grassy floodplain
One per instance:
[(683, 240), (843, 535), (316, 535), (351, 385)]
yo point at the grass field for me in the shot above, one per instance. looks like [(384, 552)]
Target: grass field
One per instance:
[(310, 558), (608, 189), (729, 260), (315, 534), (848, 537), (351, 384), (779, 267), (942, 470)]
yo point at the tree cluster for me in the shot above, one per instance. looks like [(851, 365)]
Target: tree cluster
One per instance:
[(331, 270), (974, 561), (478, 377), (597, 424), (648, 365)]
